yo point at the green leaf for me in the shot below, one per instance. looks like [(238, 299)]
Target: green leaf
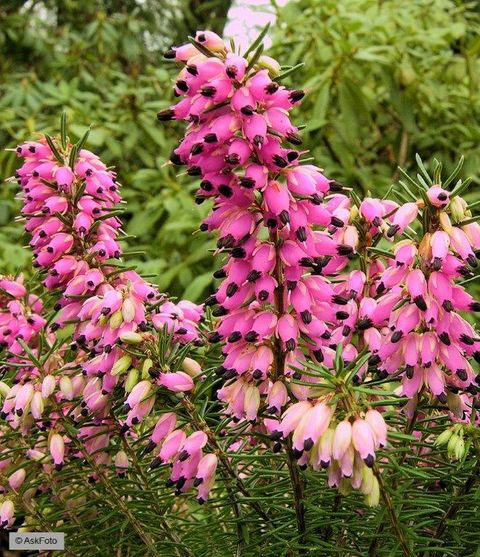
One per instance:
[(258, 41), (288, 72), (54, 149), (63, 130)]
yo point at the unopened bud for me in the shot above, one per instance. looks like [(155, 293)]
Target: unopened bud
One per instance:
[(121, 365), (48, 385), (444, 437), (128, 310), (116, 320), (131, 338), (445, 223), (103, 319), (270, 64), (57, 448), (457, 209), (37, 405), (4, 389), (17, 478), (147, 364), (459, 449), (191, 367), (373, 498), (132, 380), (66, 387), (451, 444), (367, 480), (345, 486)]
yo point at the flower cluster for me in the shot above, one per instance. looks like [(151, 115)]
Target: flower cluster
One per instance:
[(286, 298), (70, 203), (411, 316), (345, 448), (189, 465), (69, 208), (20, 316), (265, 205), (282, 224)]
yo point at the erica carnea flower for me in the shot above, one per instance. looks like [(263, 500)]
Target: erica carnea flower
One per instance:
[(69, 208), (20, 315), (283, 228), (267, 208), (413, 318), (70, 211)]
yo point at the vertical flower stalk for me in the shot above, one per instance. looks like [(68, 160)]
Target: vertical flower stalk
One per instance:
[(284, 228), (412, 317), (266, 203), (70, 207)]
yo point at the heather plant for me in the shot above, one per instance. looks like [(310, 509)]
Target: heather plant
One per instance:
[(323, 400), (383, 82)]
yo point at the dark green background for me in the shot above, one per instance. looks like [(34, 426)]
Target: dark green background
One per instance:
[(385, 79)]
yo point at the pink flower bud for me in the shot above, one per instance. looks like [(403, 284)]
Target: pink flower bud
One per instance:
[(57, 449), (341, 439), (176, 381), (16, 479)]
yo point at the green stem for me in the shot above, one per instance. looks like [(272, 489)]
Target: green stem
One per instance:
[(298, 496), (392, 513), (298, 486), (167, 528), (457, 502)]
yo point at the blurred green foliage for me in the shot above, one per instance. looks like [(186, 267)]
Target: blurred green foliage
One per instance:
[(385, 79), (101, 61)]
